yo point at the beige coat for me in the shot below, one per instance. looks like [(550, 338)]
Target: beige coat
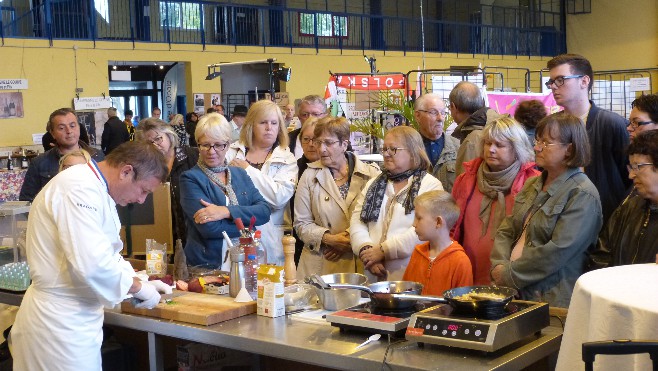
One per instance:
[(319, 208)]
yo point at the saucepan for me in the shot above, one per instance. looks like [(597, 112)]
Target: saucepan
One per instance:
[(477, 300)]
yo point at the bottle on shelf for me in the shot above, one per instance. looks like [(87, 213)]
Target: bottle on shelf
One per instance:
[(10, 162), (251, 275), (260, 249), (24, 162)]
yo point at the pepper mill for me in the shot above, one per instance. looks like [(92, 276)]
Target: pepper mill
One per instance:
[(288, 242)]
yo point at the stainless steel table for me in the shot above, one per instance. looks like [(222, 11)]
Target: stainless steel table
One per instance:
[(323, 345)]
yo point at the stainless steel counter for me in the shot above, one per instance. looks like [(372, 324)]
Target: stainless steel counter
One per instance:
[(324, 345)]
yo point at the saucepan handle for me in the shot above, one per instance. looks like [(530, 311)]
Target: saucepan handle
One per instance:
[(348, 286), (438, 299)]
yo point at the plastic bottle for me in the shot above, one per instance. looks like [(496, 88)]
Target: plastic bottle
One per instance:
[(262, 253), (251, 275)]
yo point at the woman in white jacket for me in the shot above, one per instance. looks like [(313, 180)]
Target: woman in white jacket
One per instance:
[(325, 199), (263, 152), (381, 226)]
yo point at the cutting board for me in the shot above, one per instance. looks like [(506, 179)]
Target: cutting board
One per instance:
[(192, 307)]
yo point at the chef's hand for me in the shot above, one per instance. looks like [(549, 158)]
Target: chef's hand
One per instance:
[(148, 294), (239, 163), (162, 287), (497, 275), (210, 213)]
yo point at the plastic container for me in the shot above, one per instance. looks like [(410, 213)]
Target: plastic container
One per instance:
[(262, 253), (251, 275)]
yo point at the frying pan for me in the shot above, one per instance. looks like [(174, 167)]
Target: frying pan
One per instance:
[(405, 294)]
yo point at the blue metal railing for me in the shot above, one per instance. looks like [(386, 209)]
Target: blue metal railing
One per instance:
[(511, 32)]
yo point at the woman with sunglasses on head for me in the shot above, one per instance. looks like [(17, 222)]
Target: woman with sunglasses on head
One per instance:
[(541, 249), (180, 158), (213, 194), (325, 200), (381, 230), (263, 152)]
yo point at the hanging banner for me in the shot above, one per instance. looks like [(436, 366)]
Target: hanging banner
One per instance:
[(169, 91), (369, 82), (504, 102)]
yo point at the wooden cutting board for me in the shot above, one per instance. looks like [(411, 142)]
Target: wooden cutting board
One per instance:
[(192, 307)]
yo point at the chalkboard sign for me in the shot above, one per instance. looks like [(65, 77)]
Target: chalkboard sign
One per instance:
[(86, 118)]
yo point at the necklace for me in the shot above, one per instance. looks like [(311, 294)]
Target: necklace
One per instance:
[(337, 179), (642, 229)]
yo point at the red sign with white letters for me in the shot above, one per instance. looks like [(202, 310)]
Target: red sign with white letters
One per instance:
[(368, 82)]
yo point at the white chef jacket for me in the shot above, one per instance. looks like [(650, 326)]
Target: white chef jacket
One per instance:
[(73, 250)]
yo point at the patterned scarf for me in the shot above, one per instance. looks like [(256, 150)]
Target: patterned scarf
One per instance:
[(375, 195), (494, 185), (227, 188)]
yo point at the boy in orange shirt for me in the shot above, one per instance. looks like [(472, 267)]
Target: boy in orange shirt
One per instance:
[(441, 263)]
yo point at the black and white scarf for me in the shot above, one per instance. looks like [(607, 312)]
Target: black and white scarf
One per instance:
[(375, 195)]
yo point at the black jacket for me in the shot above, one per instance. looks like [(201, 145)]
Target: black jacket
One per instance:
[(114, 133), (185, 159)]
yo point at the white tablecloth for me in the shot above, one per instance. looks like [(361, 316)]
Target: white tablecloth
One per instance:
[(607, 304)]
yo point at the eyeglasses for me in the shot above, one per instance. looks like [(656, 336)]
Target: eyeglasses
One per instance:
[(306, 140), (559, 81), (157, 140), (636, 124), (218, 147), (307, 114), (637, 167), (434, 112), (391, 151), (542, 145), (327, 143)]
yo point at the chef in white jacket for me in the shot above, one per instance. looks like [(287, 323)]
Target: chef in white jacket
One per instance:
[(73, 250)]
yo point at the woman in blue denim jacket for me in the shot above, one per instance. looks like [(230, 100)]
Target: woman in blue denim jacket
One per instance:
[(541, 249), (213, 194)]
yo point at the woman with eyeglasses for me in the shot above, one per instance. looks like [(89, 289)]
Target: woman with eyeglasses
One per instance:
[(381, 230), (263, 152), (631, 234), (179, 159), (485, 191), (325, 200), (541, 249), (213, 194)]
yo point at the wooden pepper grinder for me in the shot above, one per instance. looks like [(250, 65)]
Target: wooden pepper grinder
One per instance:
[(288, 242)]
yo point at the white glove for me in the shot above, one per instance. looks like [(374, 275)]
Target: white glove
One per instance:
[(148, 294), (162, 287)]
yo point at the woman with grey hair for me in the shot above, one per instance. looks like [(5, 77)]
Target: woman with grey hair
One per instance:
[(381, 230), (325, 199), (179, 159), (214, 194), (178, 124), (486, 190)]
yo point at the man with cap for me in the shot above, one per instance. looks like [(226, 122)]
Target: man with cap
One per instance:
[(237, 120)]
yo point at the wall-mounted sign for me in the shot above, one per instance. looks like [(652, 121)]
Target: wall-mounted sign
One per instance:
[(12, 84), (90, 103), (640, 84)]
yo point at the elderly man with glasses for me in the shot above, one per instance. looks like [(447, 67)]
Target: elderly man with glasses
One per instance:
[(644, 115), (430, 113), (310, 106), (571, 78), (469, 112)]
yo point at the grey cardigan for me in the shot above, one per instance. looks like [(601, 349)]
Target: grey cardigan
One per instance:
[(558, 236)]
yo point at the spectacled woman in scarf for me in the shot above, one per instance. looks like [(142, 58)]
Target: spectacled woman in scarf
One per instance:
[(381, 229), (486, 190), (213, 194)]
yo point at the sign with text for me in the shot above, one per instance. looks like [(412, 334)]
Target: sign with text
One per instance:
[(11, 84), (91, 103), (370, 82), (640, 84)]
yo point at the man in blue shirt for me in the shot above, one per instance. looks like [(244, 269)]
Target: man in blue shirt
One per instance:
[(430, 113)]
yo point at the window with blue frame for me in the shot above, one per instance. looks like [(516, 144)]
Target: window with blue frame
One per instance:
[(103, 9), (186, 16), (328, 25)]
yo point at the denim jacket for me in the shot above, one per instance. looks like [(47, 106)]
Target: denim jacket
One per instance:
[(564, 226)]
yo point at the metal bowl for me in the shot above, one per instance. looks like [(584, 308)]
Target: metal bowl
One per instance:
[(337, 299)]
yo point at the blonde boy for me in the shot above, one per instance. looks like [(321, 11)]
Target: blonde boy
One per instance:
[(440, 263)]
